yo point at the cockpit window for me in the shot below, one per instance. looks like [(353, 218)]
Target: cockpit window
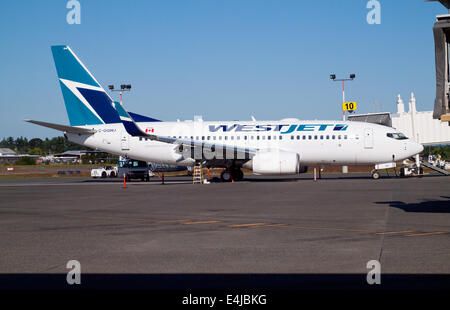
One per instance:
[(397, 136)]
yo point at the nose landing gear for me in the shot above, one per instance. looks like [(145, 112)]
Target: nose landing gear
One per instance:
[(375, 174)]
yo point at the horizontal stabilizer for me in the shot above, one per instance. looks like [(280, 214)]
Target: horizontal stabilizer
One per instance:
[(64, 128)]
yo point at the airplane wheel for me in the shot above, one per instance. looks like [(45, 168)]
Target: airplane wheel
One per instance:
[(376, 175), (237, 174), (226, 176)]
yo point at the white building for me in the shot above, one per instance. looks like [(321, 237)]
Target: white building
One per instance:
[(420, 125)]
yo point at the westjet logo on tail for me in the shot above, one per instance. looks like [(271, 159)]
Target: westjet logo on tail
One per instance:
[(278, 128)]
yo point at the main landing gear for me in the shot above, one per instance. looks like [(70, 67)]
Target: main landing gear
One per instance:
[(232, 174)]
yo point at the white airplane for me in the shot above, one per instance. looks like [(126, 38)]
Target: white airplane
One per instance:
[(279, 147)]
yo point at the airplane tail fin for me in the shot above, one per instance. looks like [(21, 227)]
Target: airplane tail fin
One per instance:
[(86, 101)]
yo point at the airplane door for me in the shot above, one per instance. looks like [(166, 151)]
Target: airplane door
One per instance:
[(124, 141), (368, 138)]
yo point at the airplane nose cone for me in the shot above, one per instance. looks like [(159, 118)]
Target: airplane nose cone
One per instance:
[(418, 148)]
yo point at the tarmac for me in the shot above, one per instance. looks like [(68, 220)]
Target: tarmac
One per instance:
[(260, 225)]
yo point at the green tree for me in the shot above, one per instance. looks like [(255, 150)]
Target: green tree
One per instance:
[(8, 143), (21, 144), (36, 142), (35, 151)]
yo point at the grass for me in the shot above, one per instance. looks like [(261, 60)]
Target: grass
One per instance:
[(54, 165)]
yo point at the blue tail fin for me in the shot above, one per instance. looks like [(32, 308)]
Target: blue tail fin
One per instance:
[(86, 101)]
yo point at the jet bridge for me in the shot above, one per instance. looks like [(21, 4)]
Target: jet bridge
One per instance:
[(441, 31), (374, 118)]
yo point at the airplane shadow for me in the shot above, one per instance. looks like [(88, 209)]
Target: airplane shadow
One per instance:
[(260, 179), (333, 176), (427, 206), (361, 176)]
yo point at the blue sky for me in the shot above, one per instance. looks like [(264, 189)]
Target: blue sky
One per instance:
[(225, 60)]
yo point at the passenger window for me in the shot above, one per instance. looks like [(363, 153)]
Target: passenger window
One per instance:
[(345, 137), (339, 137), (321, 137), (304, 137), (333, 137), (309, 137), (328, 137), (315, 137), (280, 138), (292, 137)]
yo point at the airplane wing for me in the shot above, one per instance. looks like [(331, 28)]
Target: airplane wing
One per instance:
[(134, 130), (64, 128)]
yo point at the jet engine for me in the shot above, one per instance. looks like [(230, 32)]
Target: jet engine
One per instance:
[(275, 162)]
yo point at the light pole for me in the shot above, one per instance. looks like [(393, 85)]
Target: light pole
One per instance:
[(352, 77), (123, 87)]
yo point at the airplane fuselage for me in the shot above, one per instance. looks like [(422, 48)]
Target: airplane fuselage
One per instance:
[(316, 142)]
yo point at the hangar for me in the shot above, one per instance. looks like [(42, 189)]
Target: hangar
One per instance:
[(8, 156)]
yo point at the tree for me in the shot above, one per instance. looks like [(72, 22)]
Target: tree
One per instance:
[(8, 143), (21, 144), (35, 151), (36, 142)]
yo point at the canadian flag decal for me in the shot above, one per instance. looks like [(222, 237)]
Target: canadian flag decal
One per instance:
[(149, 130)]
